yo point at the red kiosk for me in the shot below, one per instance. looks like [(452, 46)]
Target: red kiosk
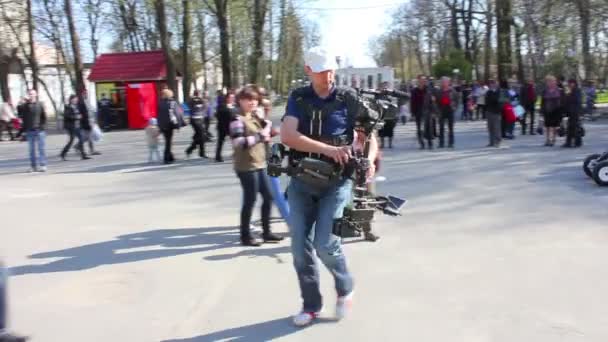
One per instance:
[(132, 80)]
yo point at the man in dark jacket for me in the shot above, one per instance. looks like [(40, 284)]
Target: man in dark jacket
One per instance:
[(446, 100), (105, 111), (421, 109), (34, 125), (528, 101), (87, 122), (198, 112), (494, 114), (224, 114)]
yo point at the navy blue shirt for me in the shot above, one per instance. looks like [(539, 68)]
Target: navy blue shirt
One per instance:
[(336, 123)]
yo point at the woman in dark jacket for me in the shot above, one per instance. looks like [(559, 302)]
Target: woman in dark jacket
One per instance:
[(249, 135), (551, 107), (573, 107), (170, 117), (72, 122)]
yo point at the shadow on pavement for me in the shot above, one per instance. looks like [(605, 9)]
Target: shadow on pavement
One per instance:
[(259, 332), (574, 177), (154, 244)]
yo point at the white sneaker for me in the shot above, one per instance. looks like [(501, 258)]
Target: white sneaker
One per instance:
[(42, 169), (344, 305), (31, 170), (305, 318)]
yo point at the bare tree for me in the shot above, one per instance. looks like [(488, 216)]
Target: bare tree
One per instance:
[(75, 47), (187, 27), (32, 55), (504, 20), (219, 9), (584, 12), (161, 23), (257, 15), (93, 10)]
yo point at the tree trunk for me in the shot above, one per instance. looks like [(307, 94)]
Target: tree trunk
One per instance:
[(532, 53), (258, 21), (80, 87), (93, 19), (475, 47), (221, 13), (234, 54), (585, 23), (166, 44), (467, 30), (279, 79), (401, 56), (430, 54), (32, 57), (5, 62), (410, 62), (203, 39), (270, 40), (58, 45), (503, 36), (454, 28), (520, 60), (487, 49), (186, 80)]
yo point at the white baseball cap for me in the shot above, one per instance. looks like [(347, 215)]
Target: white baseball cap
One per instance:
[(318, 60)]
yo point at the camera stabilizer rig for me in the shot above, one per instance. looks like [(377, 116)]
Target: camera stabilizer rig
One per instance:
[(358, 216)]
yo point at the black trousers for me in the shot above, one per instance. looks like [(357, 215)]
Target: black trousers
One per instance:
[(74, 132), (207, 124), (198, 138), (480, 112), (168, 135), (572, 131), (221, 136), (424, 132), (449, 117), (524, 125), (253, 182)]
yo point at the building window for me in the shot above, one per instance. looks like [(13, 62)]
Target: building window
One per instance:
[(370, 81), (379, 79)]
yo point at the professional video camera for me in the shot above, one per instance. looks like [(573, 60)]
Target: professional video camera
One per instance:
[(359, 215)]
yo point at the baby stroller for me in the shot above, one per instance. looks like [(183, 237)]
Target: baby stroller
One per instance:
[(596, 166)]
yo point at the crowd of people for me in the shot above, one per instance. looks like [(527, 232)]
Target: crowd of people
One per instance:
[(503, 104)]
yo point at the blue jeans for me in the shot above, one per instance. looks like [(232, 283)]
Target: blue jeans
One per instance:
[(311, 218), (253, 182), (37, 138)]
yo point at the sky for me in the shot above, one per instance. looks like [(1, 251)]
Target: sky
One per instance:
[(346, 26)]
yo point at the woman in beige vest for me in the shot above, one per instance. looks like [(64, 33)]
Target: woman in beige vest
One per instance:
[(249, 134)]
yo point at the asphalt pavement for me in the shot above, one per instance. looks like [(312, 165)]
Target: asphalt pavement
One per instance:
[(494, 245)]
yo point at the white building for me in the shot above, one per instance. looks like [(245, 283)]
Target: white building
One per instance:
[(367, 78)]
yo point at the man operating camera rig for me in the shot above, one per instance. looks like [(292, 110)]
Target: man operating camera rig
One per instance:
[(319, 125)]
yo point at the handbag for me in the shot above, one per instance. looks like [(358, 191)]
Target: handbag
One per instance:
[(176, 116), (96, 134), (519, 111)]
